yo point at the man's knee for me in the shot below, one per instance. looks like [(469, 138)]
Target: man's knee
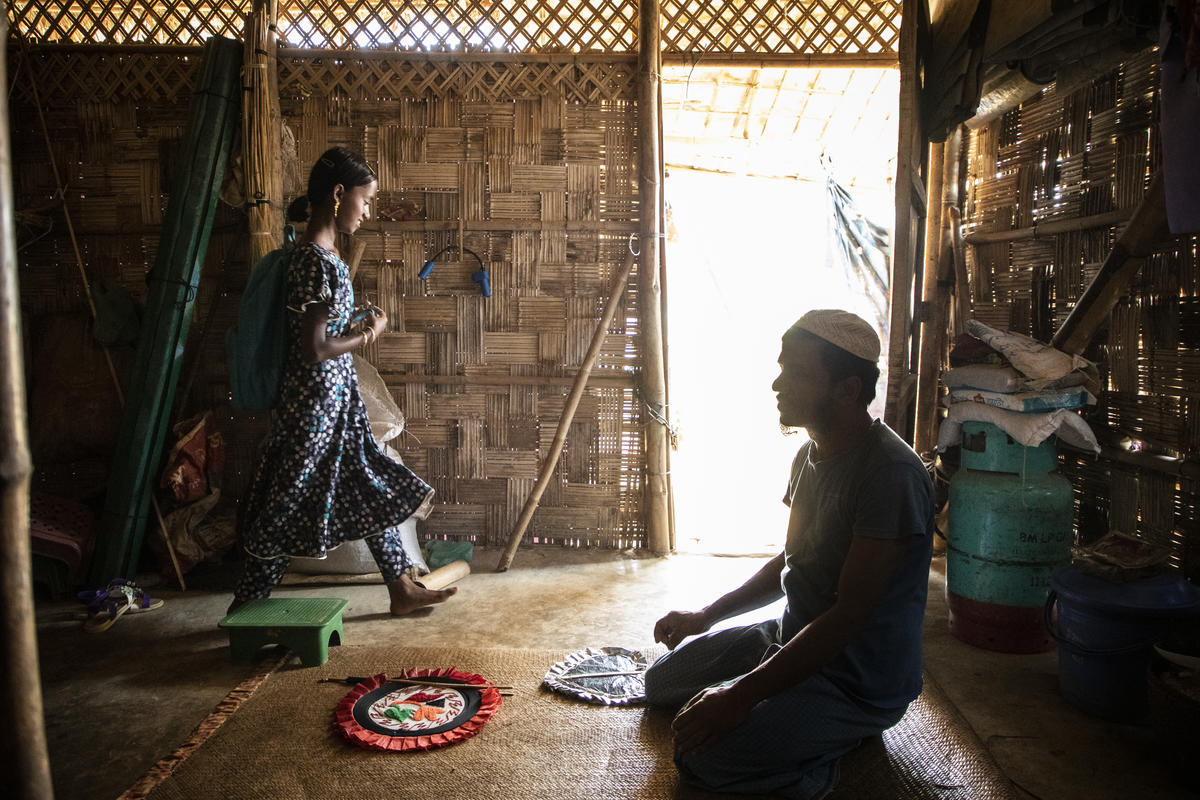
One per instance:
[(659, 689)]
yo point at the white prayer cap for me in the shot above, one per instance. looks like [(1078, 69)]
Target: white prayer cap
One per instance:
[(842, 329)]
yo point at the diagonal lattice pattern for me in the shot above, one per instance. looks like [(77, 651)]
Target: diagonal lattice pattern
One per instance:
[(521, 26), (695, 27)]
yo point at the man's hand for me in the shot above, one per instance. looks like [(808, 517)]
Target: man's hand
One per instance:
[(678, 625), (707, 717)]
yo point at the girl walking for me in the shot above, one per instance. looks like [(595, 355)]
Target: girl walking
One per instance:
[(322, 479)]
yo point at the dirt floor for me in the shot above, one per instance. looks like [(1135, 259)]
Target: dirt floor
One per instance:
[(118, 701)]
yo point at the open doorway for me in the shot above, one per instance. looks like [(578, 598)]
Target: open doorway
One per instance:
[(751, 247)]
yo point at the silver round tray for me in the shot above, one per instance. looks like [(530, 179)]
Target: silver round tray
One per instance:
[(571, 676)]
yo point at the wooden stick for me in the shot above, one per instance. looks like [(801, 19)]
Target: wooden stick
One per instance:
[(564, 423), (422, 682), (602, 674)]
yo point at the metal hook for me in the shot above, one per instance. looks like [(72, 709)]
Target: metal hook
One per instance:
[(635, 252)]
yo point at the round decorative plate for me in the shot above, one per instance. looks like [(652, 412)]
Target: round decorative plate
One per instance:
[(404, 713), (572, 676)]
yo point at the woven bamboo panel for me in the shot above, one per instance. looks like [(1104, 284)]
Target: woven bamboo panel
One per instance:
[(110, 79), (522, 26), (482, 381), (1070, 156), (497, 81)]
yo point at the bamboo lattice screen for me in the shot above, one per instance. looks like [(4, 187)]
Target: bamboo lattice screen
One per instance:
[(690, 27), (1086, 153)]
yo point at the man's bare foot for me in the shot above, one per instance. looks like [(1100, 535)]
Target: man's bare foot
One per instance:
[(407, 596)]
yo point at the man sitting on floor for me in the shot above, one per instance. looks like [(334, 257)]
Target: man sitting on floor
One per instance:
[(772, 707)]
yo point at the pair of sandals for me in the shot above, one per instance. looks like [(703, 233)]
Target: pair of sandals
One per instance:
[(107, 605)]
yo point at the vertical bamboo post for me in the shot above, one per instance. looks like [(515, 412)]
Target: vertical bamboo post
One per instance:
[(934, 314), (666, 333), (940, 277), (654, 379), (262, 158), (906, 243), (930, 359), (23, 742)]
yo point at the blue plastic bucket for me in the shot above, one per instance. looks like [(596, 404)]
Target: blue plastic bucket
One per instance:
[(1105, 632)]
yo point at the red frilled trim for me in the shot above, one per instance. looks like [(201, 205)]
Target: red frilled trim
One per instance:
[(345, 724)]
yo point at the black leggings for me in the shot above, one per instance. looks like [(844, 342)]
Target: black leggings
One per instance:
[(261, 575)]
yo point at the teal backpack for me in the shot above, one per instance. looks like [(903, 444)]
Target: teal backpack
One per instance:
[(255, 346)]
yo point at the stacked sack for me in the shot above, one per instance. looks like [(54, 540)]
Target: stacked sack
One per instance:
[(1027, 389)]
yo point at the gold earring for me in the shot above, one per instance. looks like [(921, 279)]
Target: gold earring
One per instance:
[(336, 204)]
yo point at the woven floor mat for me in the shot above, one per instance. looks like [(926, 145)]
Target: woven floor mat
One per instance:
[(277, 740)]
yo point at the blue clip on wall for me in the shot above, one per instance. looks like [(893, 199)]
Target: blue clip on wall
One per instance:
[(481, 277)]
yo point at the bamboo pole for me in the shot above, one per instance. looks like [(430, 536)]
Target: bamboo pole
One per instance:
[(910, 201), (1147, 227), (784, 60), (601, 382), (25, 762), (262, 158), (1051, 228), (666, 338), (654, 379), (614, 227), (939, 278), (564, 422), (958, 263), (930, 359)]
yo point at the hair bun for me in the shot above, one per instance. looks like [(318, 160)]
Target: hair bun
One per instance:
[(297, 210)]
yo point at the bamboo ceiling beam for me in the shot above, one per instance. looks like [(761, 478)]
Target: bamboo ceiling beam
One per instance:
[(624, 381), (654, 379), (472, 225), (454, 57), (751, 60), (782, 60)]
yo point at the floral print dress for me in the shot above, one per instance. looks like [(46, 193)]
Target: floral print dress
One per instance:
[(322, 479)]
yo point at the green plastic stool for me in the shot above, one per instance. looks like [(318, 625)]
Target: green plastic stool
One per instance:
[(305, 625)]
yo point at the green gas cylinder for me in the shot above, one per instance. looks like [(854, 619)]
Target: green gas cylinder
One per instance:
[(1010, 525)]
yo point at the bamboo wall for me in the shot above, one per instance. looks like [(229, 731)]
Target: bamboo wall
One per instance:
[(1087, 153), (514, 128), (534, 162)]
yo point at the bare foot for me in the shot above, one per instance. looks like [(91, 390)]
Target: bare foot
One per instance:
[(407, 596)]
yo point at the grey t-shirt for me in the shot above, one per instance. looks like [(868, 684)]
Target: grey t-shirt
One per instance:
[(877, 489)]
